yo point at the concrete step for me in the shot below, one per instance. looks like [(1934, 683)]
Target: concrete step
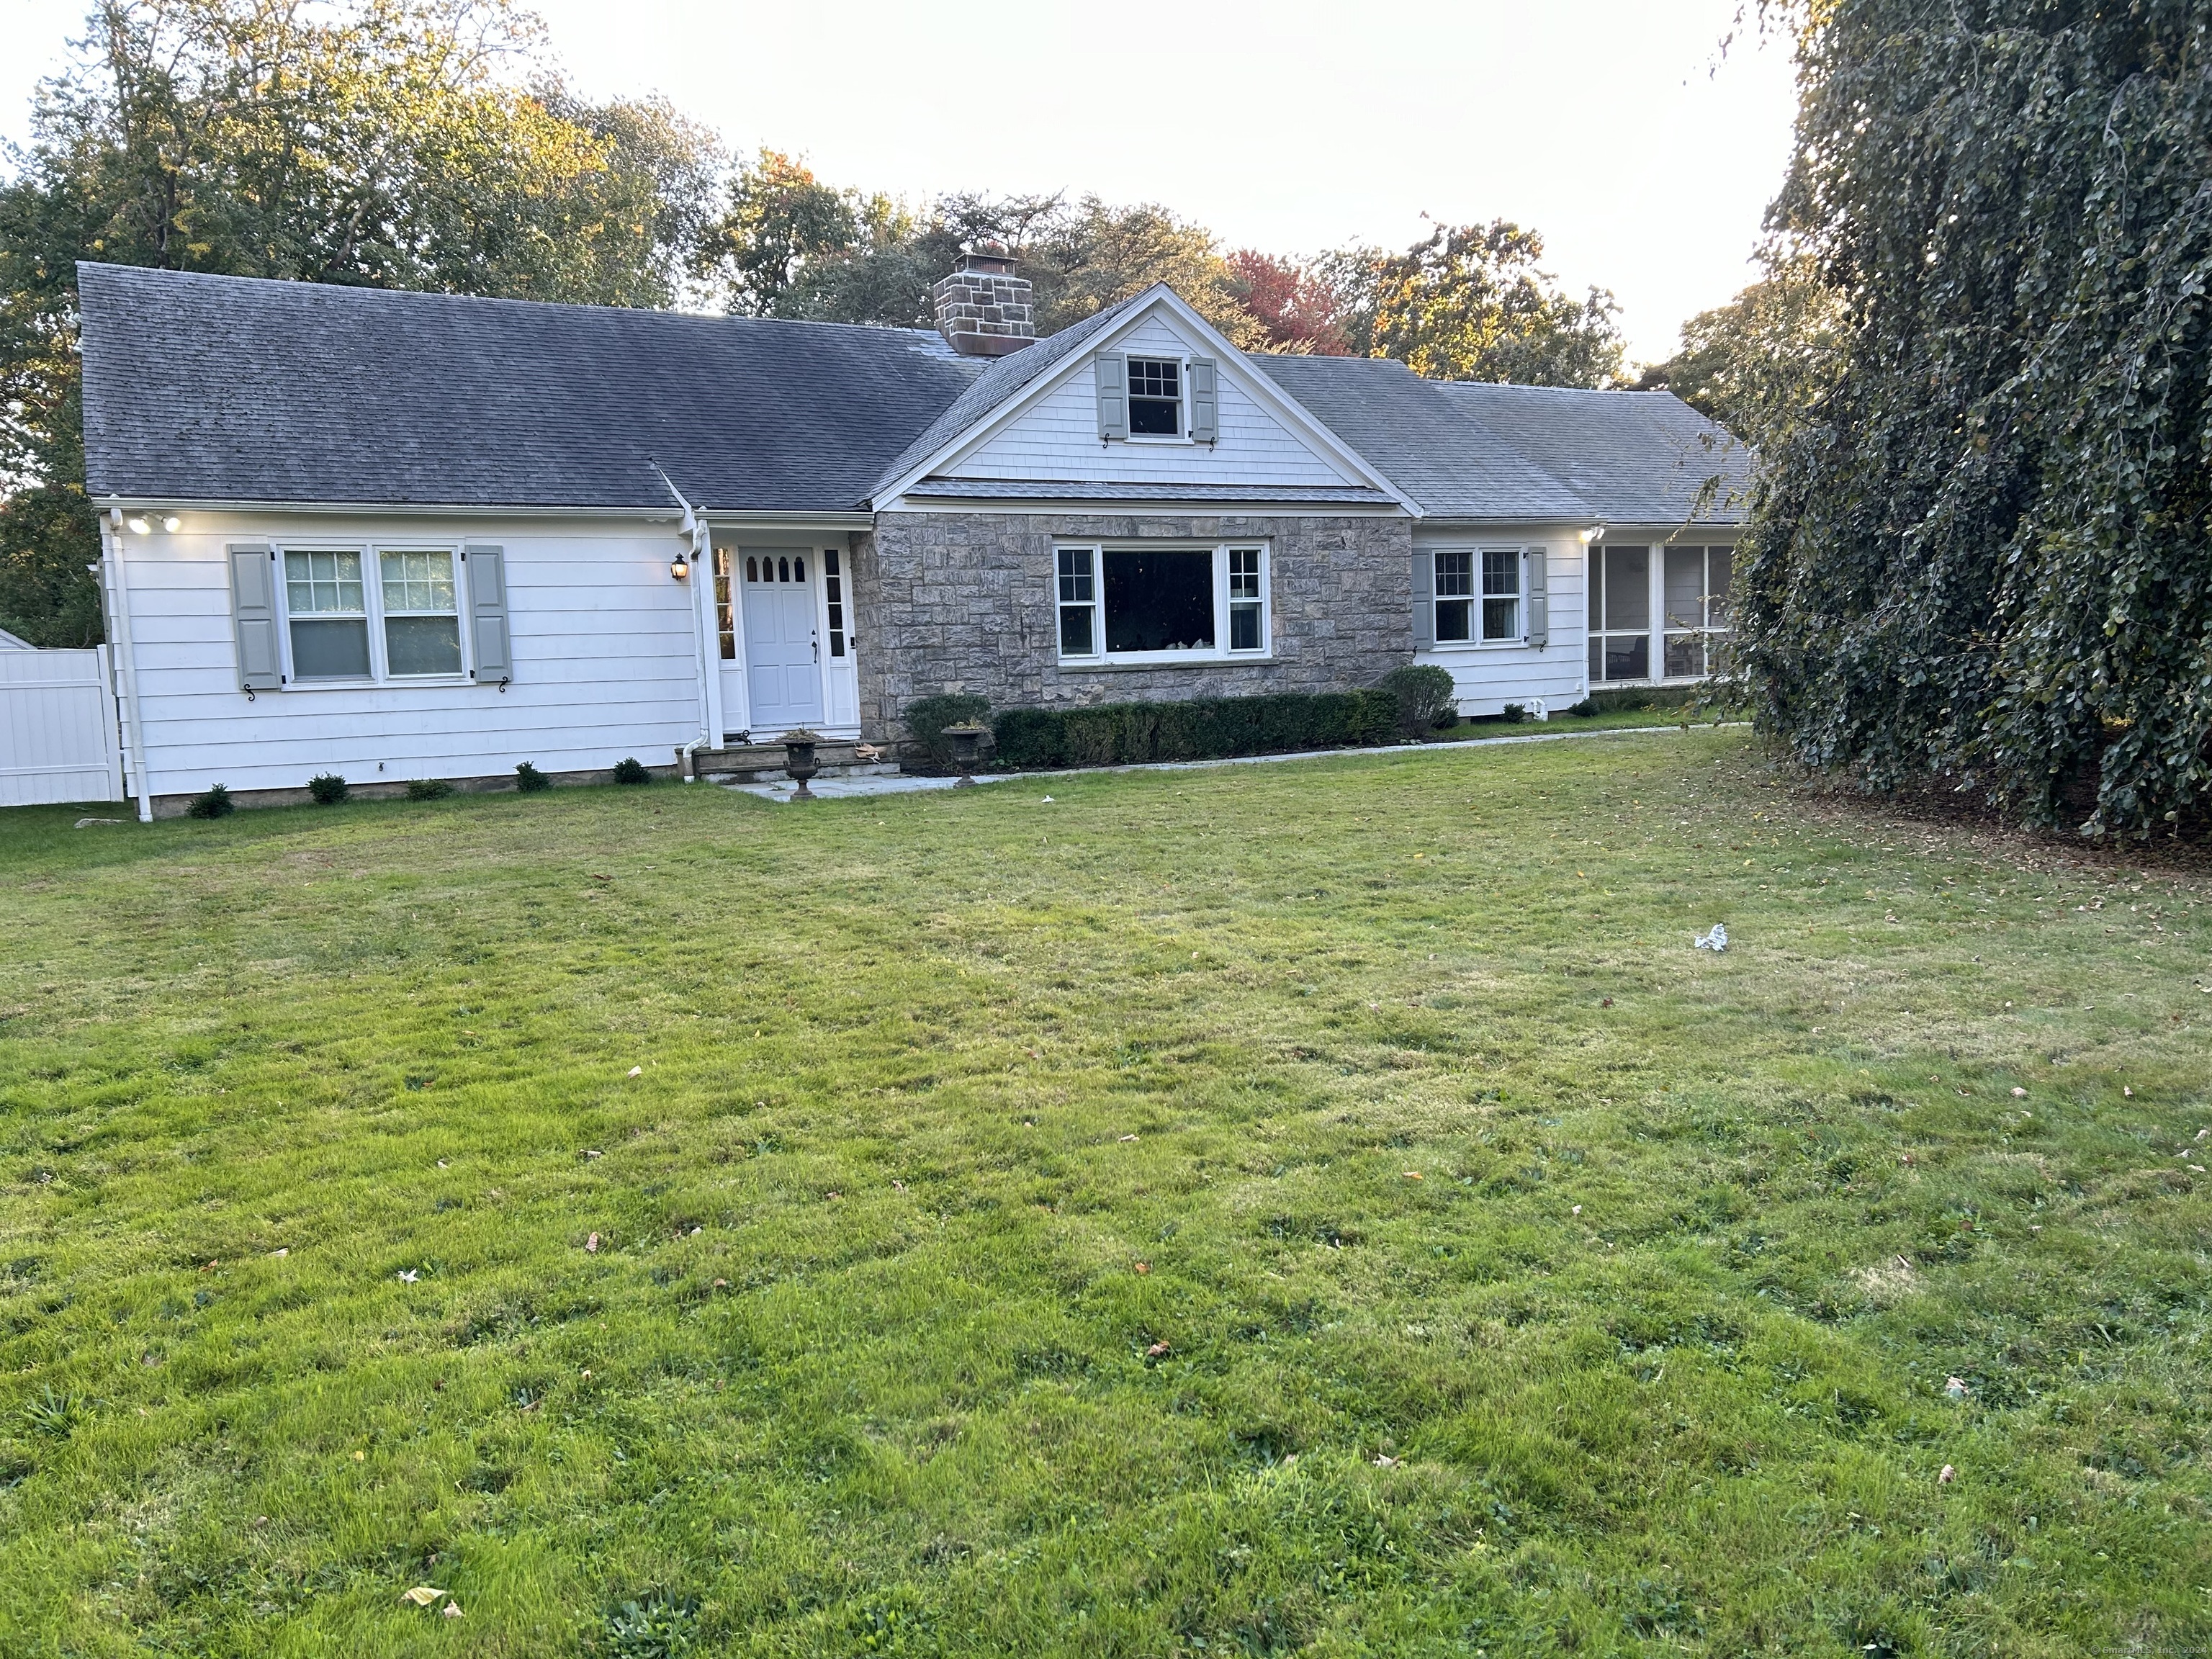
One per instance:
[(763, 763)]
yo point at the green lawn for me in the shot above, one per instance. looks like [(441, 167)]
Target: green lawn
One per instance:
[(1325, 1208)]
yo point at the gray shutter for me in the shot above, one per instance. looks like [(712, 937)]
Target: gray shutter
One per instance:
[(254, 616), (1540, 599), (488, 630), (1204, 405), (1112, 395), (1425, 597)]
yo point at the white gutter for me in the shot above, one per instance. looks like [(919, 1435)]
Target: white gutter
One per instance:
[(702, 575), (478, 510), (116, 583)]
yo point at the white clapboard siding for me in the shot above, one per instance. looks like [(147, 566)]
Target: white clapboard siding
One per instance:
[(57, 740), (1486, 678), (604, 643), (1058, 438)]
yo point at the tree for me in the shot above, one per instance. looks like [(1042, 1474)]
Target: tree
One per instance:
[(1296, 310), (1756, 364), (376, 142), (1981, 551), (785, 231), (1471, 303)]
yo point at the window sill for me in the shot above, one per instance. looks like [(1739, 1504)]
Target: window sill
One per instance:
[(399, 683), (1476, 646), (1127, 665)]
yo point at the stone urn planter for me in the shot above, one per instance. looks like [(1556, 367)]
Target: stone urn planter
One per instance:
[(799, 761), (963, 737)]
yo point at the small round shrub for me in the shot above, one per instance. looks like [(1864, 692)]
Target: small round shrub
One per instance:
[(1514, 713), (428, 789), (631, 769), (528, 780), (1584, 710), (328, 788), (215, 803), (1424, 693)]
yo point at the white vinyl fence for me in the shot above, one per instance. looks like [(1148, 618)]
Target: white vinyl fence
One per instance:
[(57, 740)]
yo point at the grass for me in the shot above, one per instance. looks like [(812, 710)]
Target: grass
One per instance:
[(1321, 1208)]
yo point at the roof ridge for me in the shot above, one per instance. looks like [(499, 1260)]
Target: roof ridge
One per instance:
[(376, 293)]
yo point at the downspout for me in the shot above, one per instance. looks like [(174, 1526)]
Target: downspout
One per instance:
[(115, 589), (686, 758)]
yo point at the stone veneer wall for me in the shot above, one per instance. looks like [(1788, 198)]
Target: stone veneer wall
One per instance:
[(967, 602)]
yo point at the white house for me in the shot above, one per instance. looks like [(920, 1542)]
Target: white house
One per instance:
[(397, 535)]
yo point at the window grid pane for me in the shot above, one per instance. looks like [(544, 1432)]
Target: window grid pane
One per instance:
[(324, 584), (1455, 576), (1156, 397), (725, 615), (418, 584), (1243, 573), (833, 594), (1075, 575)]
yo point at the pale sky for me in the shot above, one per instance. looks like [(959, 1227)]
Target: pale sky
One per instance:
[(1612, 126)]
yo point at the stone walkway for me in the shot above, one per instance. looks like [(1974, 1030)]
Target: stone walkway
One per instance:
[(849, 788)]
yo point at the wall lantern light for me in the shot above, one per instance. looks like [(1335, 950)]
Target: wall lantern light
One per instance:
[(679, 567)]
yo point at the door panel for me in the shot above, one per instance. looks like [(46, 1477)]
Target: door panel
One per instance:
[(783, 668)]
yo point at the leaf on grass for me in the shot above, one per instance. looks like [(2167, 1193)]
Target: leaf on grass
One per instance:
[(422, 1595), (592, 1244)]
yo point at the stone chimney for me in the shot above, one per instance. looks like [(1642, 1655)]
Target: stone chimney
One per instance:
[(983, 308)]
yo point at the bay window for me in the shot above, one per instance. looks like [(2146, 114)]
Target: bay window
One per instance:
[(1152, 604)]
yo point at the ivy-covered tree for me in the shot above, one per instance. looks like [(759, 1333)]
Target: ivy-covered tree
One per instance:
[(383, 142), (1981, 551)]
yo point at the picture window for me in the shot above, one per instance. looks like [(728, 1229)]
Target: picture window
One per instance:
[(1168, 602)]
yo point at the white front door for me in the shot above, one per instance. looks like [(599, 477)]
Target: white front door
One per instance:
[(783, 650)]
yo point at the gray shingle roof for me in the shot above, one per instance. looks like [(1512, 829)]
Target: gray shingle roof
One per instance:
[(1471, 450), (1635, 457), (1006, 376), (1417, 437), (222, 388)]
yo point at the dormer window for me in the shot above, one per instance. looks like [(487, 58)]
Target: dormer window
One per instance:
[(1155, 397)]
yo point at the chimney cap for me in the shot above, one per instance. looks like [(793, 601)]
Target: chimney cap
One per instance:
[(994, 257)]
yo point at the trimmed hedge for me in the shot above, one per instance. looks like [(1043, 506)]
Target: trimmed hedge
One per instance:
[(1204, 728)]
